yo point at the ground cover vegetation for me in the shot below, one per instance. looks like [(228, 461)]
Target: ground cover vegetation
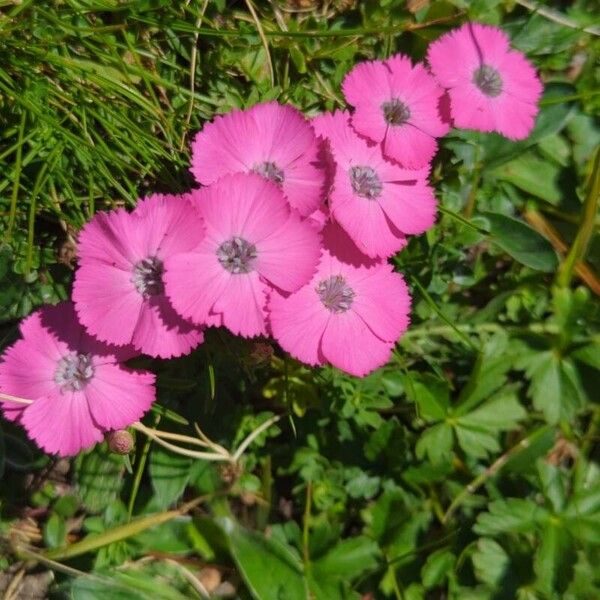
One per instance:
[(459, 462)]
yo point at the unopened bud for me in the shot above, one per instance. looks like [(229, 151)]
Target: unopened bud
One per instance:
[(120, 442)]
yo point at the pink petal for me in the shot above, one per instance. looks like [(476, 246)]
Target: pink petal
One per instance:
[(298, 322), (491, 42), (106, 300), (304, 185), (368, 121), (410, 207), (161, 332), (368, 81), (242, 305), (453, 57), (193, 282), (341, 249), (288, 257), (471, 109), (364, 221), (227, 145), (513, 118), (111, 239), (61, 423), (410, 146), (117, 396), (169, 224), (382, 301), (520, 79), (350, 345)]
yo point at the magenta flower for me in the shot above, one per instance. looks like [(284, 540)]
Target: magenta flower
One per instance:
[(270, 139), (118, 290), (253, 242), (376, 201), (397, 104), (79, 386), (347, 315), (491, 87)]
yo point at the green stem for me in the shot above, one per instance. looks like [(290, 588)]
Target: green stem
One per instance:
[(17, 178), (586, 228), (491, 471), (139, 471)]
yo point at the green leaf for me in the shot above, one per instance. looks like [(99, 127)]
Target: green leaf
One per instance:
[(256, 556), (553, 484), (432, 397), (533, 175), (555, 387), (522, 242), (436, 443), (55, 531), (490, 561), (98, 477), (437, 567), (477, 432), (170, 474), (348, 560), (555, 559), (513, 515)]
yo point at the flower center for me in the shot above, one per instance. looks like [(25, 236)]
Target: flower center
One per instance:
[(488, 80), (395, 112), (270, 171), (335, 294), (74, 371), (365, 182), (237, 255), (147, 277)]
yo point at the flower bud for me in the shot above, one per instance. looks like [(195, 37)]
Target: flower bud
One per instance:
[(120, 442)]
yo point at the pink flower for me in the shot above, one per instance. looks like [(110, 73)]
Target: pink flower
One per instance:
[(347, 315), (397, 104), (491, 87), (270, 139), (118, 290), (79, 386), (376, 201), (253, 242)]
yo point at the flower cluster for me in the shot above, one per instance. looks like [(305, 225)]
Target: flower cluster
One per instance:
[(288, 236)]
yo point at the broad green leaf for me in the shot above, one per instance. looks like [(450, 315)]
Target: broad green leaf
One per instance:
[(589, 354), (512, 515), (555, 558), (553, 484), (533, 175), (98, 477), (436, 443), (490, 561), (437, 567), (477, 432), (55, 531), (348, 560), (555, 387), (522, 242), (270, 569), (432, 397), (170, 473)]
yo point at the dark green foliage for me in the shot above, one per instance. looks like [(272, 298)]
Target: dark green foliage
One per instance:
[(467, 468)]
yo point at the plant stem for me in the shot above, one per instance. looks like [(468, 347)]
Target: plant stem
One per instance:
[(586, 228)]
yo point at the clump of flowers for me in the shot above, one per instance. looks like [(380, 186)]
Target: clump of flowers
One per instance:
[(288, 236)]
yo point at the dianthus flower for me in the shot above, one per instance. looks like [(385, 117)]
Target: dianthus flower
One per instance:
[(270, 139), (253, 242), (349, 315), (491, 87), (375, 200), (397, 104), (118, 290), (79, 386)]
